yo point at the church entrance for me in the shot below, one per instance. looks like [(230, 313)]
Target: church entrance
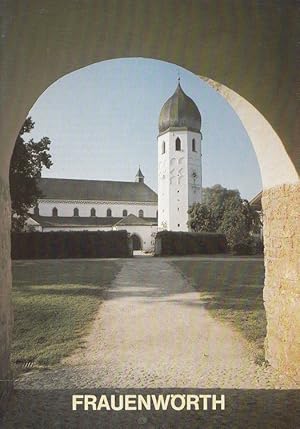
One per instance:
[(136, 242)]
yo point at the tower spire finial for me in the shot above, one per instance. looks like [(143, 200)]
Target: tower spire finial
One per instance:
[(139, 177)]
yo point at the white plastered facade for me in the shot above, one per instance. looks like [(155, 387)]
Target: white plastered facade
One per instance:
[(119, 209), (66, 208), (179, 177)]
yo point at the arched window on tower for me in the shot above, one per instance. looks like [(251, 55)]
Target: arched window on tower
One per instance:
[(108, 212), (76, 212), (194, 145), (36, 211), (93, 212), (163, 147), (125, 213), (54, 212), (141, 213), (178, 144)]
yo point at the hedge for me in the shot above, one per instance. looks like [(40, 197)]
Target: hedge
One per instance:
[(70, 244), (188, 243)]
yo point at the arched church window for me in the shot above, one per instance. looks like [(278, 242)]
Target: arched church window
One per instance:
[(54, 212), (178, 144), (141, 213), (125, 213), (156, 214), (163, 147), (36, 211), (108, 212), (93, 212), (194, 145), (76, 212)]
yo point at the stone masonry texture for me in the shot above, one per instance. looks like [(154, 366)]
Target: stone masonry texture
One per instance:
[(281, 212), (5, 295)]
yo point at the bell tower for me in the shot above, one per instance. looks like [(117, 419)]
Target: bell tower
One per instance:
[(179, 161)]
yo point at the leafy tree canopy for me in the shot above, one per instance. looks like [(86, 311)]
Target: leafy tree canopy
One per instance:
[(223, 210), (26, 165), (202, 218), (217, 197)]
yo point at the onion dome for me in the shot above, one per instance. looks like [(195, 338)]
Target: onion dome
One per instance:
[(179, 111)]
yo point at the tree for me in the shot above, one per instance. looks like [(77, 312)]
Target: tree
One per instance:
[(202, 218), (224, 211), (26, 165), (217, 197)]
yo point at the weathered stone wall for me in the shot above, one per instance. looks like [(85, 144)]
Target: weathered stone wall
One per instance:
[(5, 292), (281, 211)]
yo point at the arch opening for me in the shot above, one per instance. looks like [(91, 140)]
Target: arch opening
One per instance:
[(136, 242), (275, 170)]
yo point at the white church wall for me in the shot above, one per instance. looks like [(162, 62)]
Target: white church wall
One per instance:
[(145, 232), (76, 228), (163, 181), (66, 208), (194, 168), (163, 177), (178, 199), (179, 178)]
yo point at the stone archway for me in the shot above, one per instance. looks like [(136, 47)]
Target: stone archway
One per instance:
[(281, 214), (252, 51)]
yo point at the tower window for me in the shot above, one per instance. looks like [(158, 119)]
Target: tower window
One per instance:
[(125, 213), (76, 212), (163, 147), (194, 145), (93, 212), (108, 212), (54, 212), (178, 144), (36, 210), (141, 213)]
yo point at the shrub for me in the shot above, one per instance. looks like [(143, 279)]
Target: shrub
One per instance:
[(252, 246), (65, 244), (188, 243)]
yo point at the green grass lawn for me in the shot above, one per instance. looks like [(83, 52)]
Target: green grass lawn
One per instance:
[(233, 292), (54, 303)]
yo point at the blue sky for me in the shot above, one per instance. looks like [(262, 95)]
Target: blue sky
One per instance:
[(103, 123)]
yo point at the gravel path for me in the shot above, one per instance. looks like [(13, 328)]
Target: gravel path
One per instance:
[(153, 331)]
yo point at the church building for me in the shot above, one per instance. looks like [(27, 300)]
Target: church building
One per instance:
[(92, 205), (76, 205)]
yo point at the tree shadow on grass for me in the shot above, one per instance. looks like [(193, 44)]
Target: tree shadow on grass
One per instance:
[(56, 277), (231, 289), (54, 304), (233, 292), (226, 285)]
